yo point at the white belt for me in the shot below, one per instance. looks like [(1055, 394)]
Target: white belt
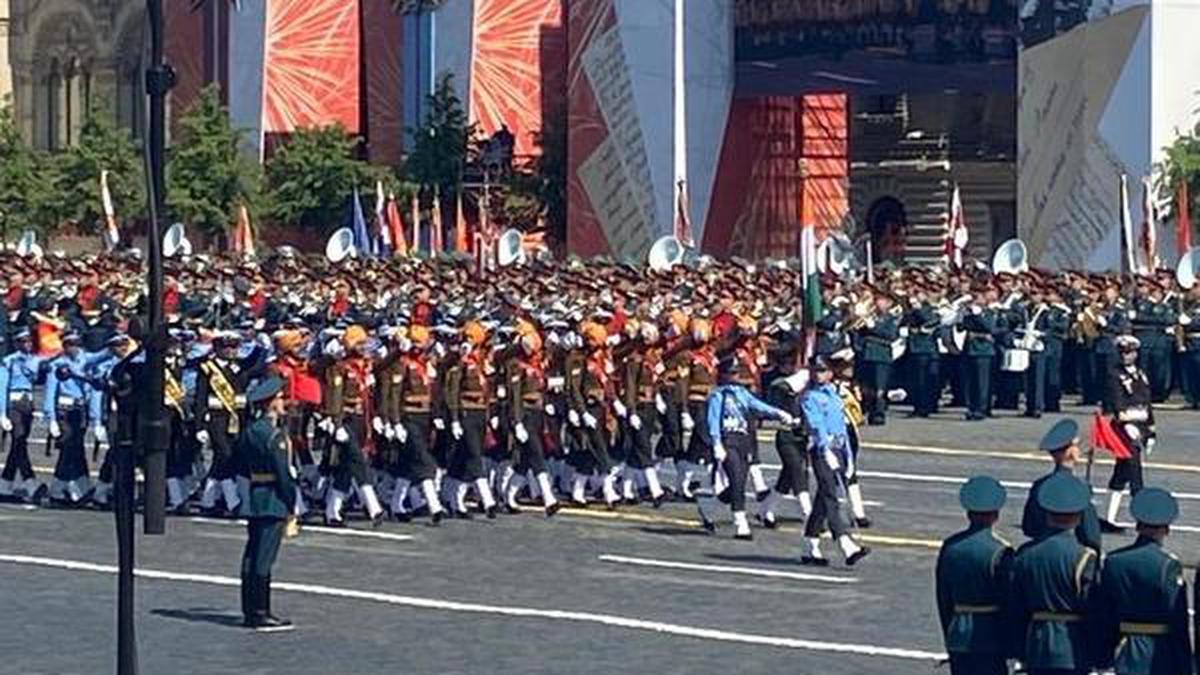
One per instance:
[(556, 383), (215, 403), (67, 402), (1134, 415), (20, 396)]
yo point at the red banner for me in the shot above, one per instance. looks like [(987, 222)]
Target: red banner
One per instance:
[(311, 65)]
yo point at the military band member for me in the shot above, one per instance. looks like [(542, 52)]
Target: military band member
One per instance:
[(923, 323), (1112, 321), (218, 409), (1143, 601), (875, 365), (727, 416), (19, 371), (1133, 420), (979, 351), (1153, 320), (1054, 579), (64, 403), (1062, 444), (1189, 344), (831, 459), (1053, 327), (263, 456), (973, 575)]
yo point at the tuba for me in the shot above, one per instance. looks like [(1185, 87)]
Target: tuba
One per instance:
[(509, 250), (340, 246), (1011, 258), (667, 252), (28, 247), (175, 242)]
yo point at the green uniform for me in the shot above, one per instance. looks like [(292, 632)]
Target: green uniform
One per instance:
[(1054, 579), (1033, 521), (263, 453), (973, 571), (1154, 324), (1143, 607)]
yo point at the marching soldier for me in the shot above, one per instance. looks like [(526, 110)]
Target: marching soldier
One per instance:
[(1143, 601), (468, 397), (701, 378), (973, 575), (64, 403), (18, 373), (413, 396), (263, 455), (639, 391), (1133, 420), (527, 401), (1053, 582), (1062, 443), (218, 408)]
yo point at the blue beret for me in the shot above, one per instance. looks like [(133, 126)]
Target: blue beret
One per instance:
[(1062, 434), (1154, 506), (1064, 493), (265, 390), (982, 494)]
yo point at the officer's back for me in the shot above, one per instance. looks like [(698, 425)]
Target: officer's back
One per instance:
[(263, 455)]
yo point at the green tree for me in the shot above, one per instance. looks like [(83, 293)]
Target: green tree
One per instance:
[(1181, 163), (27, 195), (439, 145), (208, 176), (309, 180), (102, 146)]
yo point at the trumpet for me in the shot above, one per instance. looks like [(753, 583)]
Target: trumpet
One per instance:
[(862, 313)]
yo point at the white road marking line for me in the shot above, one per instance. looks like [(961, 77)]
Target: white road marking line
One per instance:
[(726, 569), (339, 531), (524, 612), (18, 507)]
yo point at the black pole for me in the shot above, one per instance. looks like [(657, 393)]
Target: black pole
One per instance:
[(122, 390)]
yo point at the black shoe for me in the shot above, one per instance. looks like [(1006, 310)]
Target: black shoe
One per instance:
[(401, 517), (463, 515), (744, 536), (553, 509), (511, 510), (1111, 528), (491, 512), (708, 525), (436, 519), (377, 522), (39, 495), (857, 556), (862, 523), (334, 523), (611, 506), (269, 624), (811, 561), (657, 502), (769, 523)]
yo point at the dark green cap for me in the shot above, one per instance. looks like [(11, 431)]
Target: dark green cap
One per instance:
[(1064, 493), (982, 494), (1155, 507), (1062, 434), (265, 390)]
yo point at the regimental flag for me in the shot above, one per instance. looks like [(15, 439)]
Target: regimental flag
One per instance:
[(1149, 240), (462, 241), (395, 227), (243, 233), (1183, 219), (957, 235), (414, 213), (112, 234), (379, 228), (683, 225), (1105, 437), (1128, 243), (435, 218), (358, 225)]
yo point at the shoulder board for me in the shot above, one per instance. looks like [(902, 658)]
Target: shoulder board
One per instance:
[(1001, 539), (1080, 565)]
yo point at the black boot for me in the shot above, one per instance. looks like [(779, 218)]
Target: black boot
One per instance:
[(247, 600), (263, 621)]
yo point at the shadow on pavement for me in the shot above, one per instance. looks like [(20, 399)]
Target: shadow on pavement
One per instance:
[(790, 561), (201, 615), (674, 531)]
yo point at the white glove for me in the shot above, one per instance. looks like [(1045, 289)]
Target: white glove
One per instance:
[(1185, 320), (590, 420), (521, 433), (264, 340), (341, 435), (719, 453), (100, 433), (832, 460), (334, 349), (495, 423), (688, 422), (1150, 443), (551, 411), (501, 391), (1132, 314), (201, 436), (377, 424), (5, 423), (635, 421), (327, 425), (620, 409), (389, 432), (401, 433), (573, 418), (788, 420), (439, 424), (659, 368), (1133, 432), (55, 430), (456, 430), (660, 404)]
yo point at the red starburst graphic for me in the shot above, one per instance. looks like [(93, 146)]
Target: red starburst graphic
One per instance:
[(311, 64)]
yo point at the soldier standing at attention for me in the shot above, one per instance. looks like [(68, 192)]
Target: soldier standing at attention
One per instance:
[(1143, 600), (1062, 442), (263, 456), (1153, 320), (978, 354), (973, 570), (1054, 579), (876, 363)]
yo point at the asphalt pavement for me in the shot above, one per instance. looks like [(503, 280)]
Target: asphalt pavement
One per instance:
[(586, 592)]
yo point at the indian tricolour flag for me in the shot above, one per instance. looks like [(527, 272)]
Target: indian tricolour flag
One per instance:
[(112, 235), (810, 276)]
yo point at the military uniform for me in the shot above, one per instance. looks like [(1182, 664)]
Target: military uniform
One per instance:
[(218, 409), (527, 416), (262, 455), (1054, 579), (1060, 438), (1153, 324), (1113, 321), (979, 351), (875, 364), (468, 397), (64, 403), (1189, 324), (19, 371), (1133, 420), (973, 576), (924, 361)]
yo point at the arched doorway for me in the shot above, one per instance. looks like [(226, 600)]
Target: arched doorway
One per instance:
[(887, 223)]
